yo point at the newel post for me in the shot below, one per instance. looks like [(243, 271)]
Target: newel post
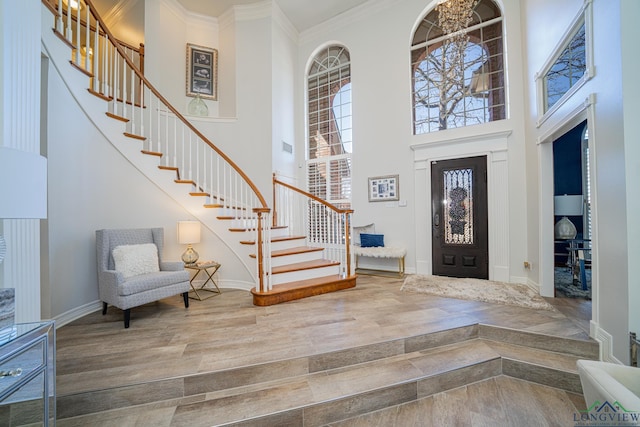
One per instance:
[(275, 206), (260, 247), (347, 240)]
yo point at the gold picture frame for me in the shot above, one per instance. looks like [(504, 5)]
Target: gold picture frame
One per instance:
[(384, 188), (202, 72)]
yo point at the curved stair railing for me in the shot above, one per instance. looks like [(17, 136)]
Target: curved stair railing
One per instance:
[(162, 130), (323, 224)]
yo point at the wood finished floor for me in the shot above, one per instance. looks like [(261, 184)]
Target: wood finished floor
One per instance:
[(227, 331)]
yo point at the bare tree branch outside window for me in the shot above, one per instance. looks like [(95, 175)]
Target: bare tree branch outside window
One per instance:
[(567, 69), (458, 78)]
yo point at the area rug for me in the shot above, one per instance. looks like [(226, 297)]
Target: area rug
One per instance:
[(566, 286), (476, 290)]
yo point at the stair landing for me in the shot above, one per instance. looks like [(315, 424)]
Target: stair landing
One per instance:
[(301, 289)]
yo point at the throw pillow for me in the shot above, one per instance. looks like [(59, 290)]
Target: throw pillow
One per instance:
[(357, 231), (371, 240), (133, 260)]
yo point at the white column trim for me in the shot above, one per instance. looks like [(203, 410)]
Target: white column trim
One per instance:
[(494, 147)]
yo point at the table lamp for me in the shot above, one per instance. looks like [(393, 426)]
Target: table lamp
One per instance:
[(566, 206), (188, 234)]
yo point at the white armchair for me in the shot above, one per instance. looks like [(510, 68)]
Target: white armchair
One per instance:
[(131, 271)]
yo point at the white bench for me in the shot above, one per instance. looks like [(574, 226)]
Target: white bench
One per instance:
[(389, 252)]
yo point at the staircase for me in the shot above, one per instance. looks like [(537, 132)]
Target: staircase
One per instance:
[(323, 388), (296, 251)]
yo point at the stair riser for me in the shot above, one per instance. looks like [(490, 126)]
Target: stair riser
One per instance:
[(286, 244), (447, 359), (294, 276), (295, 258)]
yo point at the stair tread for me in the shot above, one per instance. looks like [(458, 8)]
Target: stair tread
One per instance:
[(566, 362), (276, 227), (306, 265), (443, 359)]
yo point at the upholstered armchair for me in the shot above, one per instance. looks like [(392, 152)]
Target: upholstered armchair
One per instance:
[(131, 271)]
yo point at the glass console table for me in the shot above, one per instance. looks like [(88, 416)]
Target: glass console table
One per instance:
[(28, 374)]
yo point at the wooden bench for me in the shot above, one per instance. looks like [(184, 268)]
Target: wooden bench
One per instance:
[(388, 252)]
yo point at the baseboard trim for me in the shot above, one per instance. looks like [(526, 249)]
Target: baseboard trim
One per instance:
[(606, 343), (77, 313)]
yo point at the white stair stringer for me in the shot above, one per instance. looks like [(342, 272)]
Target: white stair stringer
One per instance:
[(113, 130)]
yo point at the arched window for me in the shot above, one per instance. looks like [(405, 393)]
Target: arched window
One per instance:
[(457, 66), (329, 126)]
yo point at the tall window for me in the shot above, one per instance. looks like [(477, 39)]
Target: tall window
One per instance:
[(458, 78), (329, 126)]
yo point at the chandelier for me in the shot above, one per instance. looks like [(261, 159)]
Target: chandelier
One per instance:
[(455, 16)]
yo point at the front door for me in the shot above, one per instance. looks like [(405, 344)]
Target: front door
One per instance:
[(460, 222)]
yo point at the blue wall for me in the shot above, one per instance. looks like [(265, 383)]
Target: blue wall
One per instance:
[(567, 175)]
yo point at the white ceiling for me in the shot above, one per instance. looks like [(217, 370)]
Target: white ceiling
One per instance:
[(302, 13)]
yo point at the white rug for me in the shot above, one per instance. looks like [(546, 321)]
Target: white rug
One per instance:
[(476, 290)]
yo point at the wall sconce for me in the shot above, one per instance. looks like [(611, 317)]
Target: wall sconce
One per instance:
[(188, 234), (567, 206)]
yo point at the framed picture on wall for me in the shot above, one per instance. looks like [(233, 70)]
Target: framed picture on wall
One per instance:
[(384, 188), (202, 72)]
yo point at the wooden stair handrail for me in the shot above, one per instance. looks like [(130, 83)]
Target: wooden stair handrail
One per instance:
[(346, 212), (114, 41), (311, 196)]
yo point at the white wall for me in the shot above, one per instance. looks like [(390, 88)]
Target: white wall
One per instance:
[(630, 34), (607, 141), (378, 36), (284, 55), (165, 50), (20, 130), (92, 186)]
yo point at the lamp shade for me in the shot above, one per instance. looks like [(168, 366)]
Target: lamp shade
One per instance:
[(188, 232), (568, 205)]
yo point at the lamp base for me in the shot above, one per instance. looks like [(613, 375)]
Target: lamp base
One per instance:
[(190, 256), (564, 229)]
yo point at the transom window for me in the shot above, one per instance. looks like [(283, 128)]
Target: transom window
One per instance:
[(458, 78), (567, 69), (329, 126)]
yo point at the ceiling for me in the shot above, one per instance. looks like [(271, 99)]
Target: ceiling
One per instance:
[(302, 13)]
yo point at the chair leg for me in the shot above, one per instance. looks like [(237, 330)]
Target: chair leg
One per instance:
[(127, 317), (185, 296), (104, 308)]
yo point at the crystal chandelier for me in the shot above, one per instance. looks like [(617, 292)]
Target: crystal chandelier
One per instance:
[(455, 15)]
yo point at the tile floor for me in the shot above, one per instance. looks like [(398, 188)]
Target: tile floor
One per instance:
[(166, 341)]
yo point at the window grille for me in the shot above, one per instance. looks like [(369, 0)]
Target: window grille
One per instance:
[(330, 126), (458, 81), (569, 67)]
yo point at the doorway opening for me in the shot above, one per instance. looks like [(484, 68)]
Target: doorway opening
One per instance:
[(572, 214)]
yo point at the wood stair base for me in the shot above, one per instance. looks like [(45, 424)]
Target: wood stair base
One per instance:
[(302, 289)]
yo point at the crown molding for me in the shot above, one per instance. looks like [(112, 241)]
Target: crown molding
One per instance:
[(283, 22), (253, 11), (118, 11), (344, 19), (187, 16)]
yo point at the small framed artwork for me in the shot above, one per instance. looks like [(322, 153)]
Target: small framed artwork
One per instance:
[(384, 188), (202, 72)]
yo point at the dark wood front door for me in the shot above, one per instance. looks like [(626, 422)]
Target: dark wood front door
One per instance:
[(460, 237)]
